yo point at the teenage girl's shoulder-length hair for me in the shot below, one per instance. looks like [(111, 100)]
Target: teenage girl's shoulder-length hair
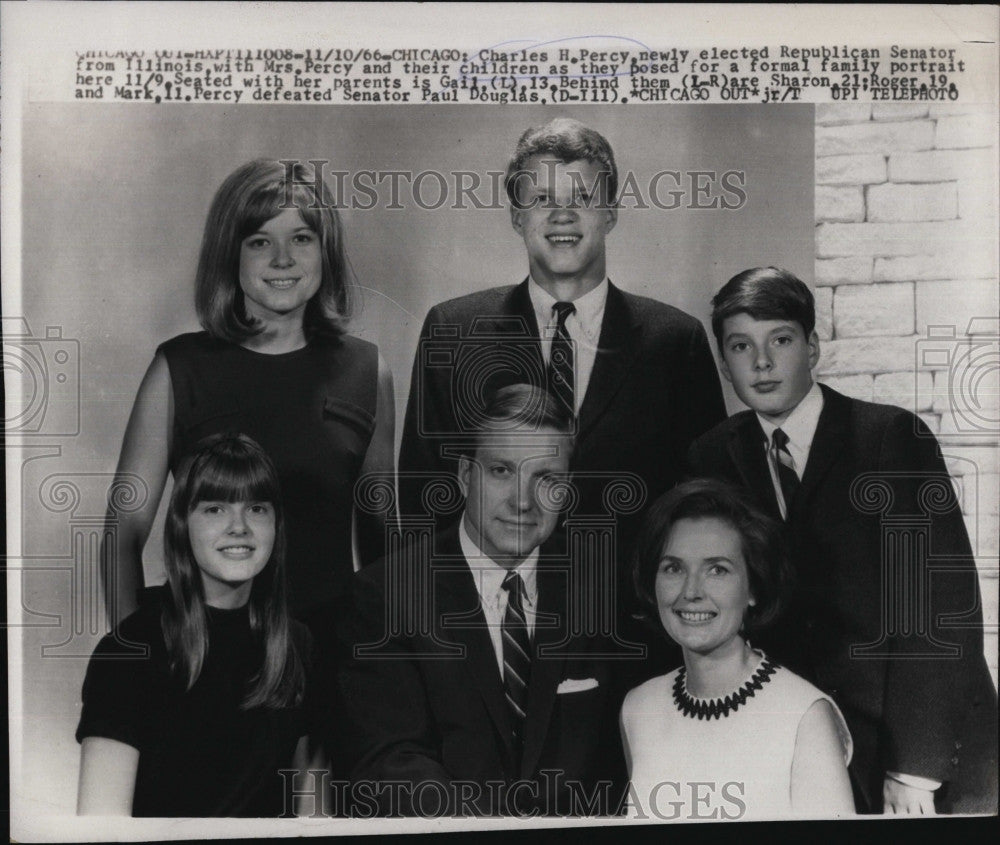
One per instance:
[(250, 196), (229, 468)]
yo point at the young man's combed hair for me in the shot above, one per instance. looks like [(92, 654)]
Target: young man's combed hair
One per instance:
[(765, 293), (565, 140)]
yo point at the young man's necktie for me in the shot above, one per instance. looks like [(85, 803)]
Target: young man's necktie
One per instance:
[(784, 465), (561, 376)]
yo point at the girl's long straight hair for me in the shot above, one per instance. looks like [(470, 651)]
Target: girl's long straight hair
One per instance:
[(229, 468)]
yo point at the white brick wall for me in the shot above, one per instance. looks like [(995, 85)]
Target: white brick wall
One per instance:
[(955, 303), (852, 170), (932, 201), (844, 271), (856, 355), (936, 165), (906, 238), (971, 130), (824, 313), (888, 112), (873, 310), (872, 137), (842, 204), (837, 240), (900, 389), (949, 263)]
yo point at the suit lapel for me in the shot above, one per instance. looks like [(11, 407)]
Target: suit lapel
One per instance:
[(546, 671), (746, 448), (620, 335), (461, 620), (829, 442), (517, 319)]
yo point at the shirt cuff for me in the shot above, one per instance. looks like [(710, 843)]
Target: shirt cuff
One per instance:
[(916, 782)]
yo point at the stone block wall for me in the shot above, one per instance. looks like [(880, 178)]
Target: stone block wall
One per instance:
[(906, 257)]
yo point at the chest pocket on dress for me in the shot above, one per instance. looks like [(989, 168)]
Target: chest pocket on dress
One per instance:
[(352, 424)]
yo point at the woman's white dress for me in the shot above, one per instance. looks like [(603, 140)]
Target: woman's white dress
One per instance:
[(735, 767)]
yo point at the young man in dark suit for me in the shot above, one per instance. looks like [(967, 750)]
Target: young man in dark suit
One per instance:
[(887, 618), (471, 690), (637, 374)]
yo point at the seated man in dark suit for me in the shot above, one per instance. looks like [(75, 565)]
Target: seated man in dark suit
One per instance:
[(636, 374), (887, 618), (473, 689)]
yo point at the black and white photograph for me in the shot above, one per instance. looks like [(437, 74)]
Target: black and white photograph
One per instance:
[(459, 418)]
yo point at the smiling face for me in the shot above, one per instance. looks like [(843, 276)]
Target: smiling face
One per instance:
[(281, 267), (702, 585), (561, 222), (231, 543), (508, 511), (769, 363)]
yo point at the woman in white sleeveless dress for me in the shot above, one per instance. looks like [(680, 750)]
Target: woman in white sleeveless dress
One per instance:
[(730, 735)]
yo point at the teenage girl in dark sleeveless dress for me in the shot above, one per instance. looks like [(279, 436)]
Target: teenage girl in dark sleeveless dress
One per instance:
[(274, 362)]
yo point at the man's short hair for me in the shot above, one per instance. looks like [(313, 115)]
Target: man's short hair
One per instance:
[(566, 140), (765, 293), (521, 408)]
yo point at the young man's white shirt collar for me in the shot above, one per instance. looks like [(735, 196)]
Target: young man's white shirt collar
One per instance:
[(489, 577), (584, 327), (800, 426)]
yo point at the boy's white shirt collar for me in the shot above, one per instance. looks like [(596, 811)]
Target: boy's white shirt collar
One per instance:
[(589, 308), (800, 426)]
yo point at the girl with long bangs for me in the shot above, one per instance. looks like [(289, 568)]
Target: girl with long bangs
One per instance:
[(198, 700), (273, 293)]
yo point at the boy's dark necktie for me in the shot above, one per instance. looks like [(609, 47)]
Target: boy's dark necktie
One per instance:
[(516, 654), (784, 465), (561, 378)]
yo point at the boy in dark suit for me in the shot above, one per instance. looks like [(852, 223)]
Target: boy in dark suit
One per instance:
[(636, 374), (887, 618)]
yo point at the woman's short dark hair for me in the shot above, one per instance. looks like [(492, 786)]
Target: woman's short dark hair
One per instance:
[(765, 293), (760, 538), (565, 140), (251, 195)]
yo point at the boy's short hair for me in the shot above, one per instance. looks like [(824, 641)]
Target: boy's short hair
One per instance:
[(521, 408), (566, 140), (765, 293)]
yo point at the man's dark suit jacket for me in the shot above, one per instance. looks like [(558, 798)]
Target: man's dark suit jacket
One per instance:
[(428, 705), (932, 716), (654, 389)]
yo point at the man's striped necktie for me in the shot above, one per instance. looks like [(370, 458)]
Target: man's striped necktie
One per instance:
[(516, 654)]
